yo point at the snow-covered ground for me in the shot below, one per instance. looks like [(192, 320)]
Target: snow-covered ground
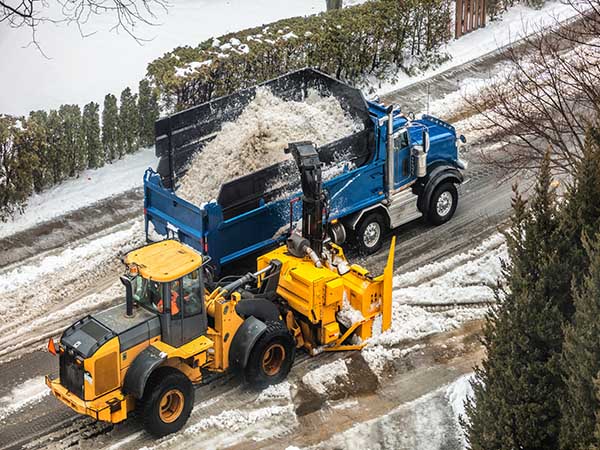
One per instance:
[(517, 22), (23, 395), (91, 186)]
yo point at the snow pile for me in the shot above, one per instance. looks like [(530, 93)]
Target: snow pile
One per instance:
[(517, 22), (235, 419), (91, 186), (438, 269), (257, 138), (325, 377), (281, 391), (456, 394), (62, 281), (347, 315), (378, 356), (25, 394), (411, 323), (467, 277), (470, 282)]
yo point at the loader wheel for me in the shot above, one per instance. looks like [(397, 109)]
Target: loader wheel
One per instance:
[(442, 204), (167, 403), (369, 234), (272, 356)]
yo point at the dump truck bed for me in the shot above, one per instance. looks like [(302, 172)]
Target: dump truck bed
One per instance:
[(254, 211)]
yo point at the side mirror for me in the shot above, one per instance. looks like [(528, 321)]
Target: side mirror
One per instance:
[(411, 116), (425, 140), (462, 139)]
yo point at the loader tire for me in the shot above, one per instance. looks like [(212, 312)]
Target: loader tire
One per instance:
[(442, 204), (271, 357), (167, 402)]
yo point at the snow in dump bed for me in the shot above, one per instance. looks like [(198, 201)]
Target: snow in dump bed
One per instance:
[(258, 137)]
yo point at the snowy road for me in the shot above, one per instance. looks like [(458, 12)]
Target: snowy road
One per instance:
[(71, 266)]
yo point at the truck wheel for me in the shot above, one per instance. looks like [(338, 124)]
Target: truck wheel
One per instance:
[(442, 204), (272, 356), (369, 234), (167, 403)]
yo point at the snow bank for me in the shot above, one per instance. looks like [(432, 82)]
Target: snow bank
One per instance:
[(66, 259), (62, 280), (327, 376), (517, 22), (457, 394), (91, 186), (281, 391), (22, 395), (467, 277), (435, 270), (257, 138)]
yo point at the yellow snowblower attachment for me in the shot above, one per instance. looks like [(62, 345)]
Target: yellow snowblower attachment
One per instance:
[(332, 308)]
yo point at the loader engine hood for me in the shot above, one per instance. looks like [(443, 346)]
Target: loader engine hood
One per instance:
[(87, 335)]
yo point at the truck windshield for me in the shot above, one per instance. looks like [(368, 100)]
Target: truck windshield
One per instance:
[(146, 293)]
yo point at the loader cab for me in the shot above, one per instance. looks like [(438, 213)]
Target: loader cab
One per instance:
[(166, 279)]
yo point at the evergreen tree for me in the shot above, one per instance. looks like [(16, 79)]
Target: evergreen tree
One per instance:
[(17, 162), (91, 136), (148, 113), (110, 128), (56, 156), (516, 390), (37, 124), (581, 352), (71, 140), (128, 122), (581, 360)]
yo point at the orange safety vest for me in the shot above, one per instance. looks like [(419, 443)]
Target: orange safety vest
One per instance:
[(174, 306)]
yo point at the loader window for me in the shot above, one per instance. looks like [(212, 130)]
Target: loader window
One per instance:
[(146, 293), (192, 293)]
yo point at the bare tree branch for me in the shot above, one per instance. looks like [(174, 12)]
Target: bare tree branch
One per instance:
[(128, 14)]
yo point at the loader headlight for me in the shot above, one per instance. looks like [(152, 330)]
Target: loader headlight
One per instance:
[(88, 377)]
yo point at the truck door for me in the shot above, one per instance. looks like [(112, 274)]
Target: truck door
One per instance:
[(402, 173)]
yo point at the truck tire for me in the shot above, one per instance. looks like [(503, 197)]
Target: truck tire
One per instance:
[(167, 402), (271, 357), (369, 234), (443, 204)]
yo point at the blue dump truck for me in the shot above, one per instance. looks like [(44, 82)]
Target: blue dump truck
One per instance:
[(395, 170)]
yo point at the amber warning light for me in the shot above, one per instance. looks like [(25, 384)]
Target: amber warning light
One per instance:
[(52, 347)]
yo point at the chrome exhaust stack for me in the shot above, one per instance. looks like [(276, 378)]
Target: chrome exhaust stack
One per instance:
[(389, 179)]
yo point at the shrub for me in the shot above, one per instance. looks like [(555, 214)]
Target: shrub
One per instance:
[(368, 39)]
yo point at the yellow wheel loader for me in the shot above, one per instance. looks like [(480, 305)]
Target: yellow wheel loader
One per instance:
[(178, 325)]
